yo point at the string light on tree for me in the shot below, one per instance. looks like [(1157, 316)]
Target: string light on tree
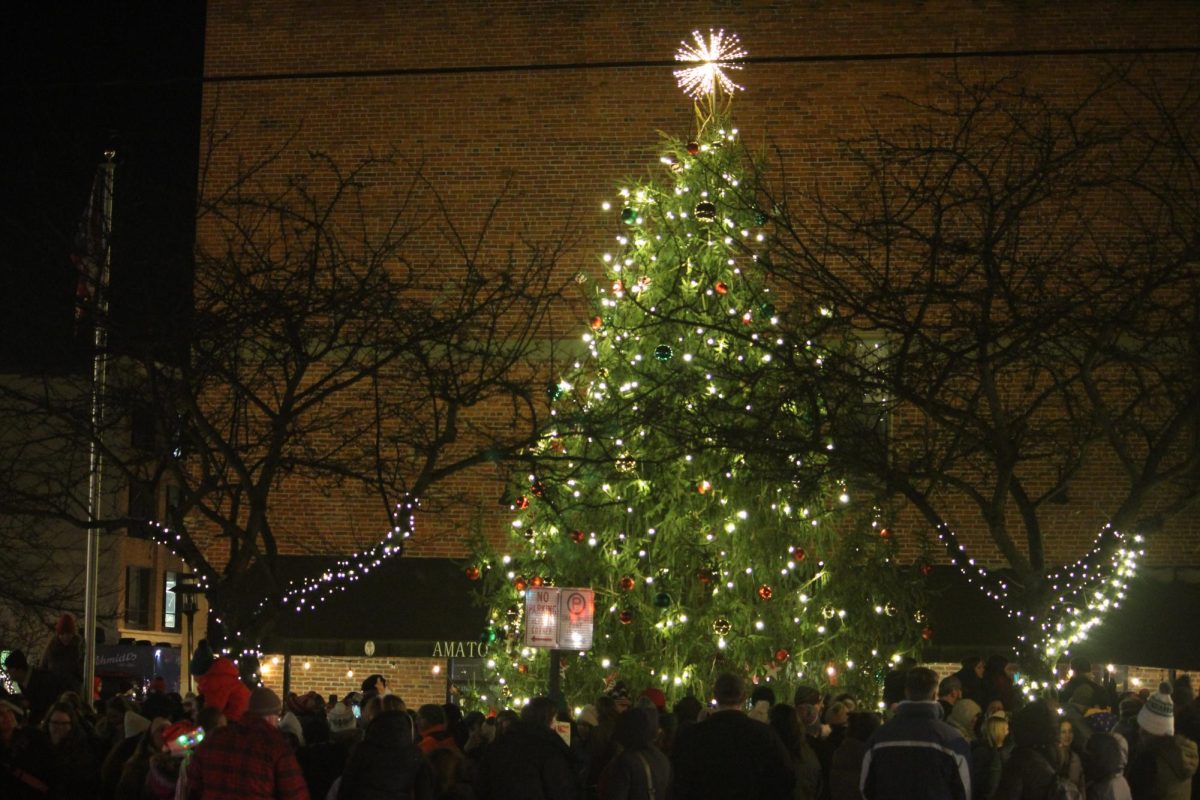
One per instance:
[(700, 553)]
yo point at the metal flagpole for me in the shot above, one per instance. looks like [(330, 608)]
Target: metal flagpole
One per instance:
[(96, 455)]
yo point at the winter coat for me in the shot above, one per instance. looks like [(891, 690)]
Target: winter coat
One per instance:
[(1071, 769), (916, 756), (987, 765), (323, 763), (528, 762), (75, 770), (1029, 774), (640, 771), (636, 775), (846, 769), (114, 764), (65, 660), (436, 737), (730, 755), (1106, 758), (810, 780), (1162, 767), (386, 765), (25, 765)]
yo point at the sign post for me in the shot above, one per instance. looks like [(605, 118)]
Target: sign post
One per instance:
[(559, 619)]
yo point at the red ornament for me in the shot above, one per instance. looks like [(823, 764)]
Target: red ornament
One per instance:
[(535, 581), (522, 502), (885, 533), (721, 287), (798, 554), (519, 584), (926, 569), (626, 616), (627, 583), (747, 318), (538, 488), (618, 288), (705, 576), (557, 446), (578, 536), (473, 573), (597, 323), (927, 633), (766, 592), (522, 668), (782, 655), (704, 487), (693, 148)]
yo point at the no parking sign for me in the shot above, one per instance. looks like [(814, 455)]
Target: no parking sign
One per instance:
[(559, 618)]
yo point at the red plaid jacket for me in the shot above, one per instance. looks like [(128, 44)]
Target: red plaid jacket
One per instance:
[(243, 761)]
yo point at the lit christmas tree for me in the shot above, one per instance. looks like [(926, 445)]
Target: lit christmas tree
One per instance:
[(703, 557)]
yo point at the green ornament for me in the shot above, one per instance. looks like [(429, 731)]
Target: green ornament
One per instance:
[(663, 352), (488, 636), (662, 600), (767, 309), (629, 215), (760, 218), (554, 390)]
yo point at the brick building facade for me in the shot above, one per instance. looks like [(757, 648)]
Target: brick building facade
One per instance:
[(560, 100)]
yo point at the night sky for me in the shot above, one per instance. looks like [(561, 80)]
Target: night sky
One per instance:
[(78, 78)]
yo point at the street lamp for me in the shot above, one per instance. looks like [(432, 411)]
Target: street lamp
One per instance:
[(187, 595)]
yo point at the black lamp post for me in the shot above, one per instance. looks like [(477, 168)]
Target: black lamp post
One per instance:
[(187, 594)]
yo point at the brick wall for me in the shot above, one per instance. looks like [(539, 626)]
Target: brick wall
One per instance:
[(415, 680), (526, 95)]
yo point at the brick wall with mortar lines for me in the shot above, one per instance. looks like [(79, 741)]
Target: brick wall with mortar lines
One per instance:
[(413, 679), (566, 136)]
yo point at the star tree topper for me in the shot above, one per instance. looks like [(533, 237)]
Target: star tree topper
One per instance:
[(711, 59)]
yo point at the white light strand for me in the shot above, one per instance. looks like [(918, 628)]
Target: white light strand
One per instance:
[(311, 591)]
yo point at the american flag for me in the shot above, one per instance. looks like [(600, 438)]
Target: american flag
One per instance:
[(90, 247)]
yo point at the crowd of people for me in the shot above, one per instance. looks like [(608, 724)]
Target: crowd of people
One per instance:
[(967, 736)]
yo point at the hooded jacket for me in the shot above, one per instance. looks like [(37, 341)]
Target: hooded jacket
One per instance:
[(387, 764), (222, 687), (963, 716), (1162, 768)]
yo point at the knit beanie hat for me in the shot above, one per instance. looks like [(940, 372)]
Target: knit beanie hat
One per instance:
[(290, 723), (202, 658), (1130, 706), (264, 702), (341, 718), (135, 724), (65, 625), (1157, 717), (589, 716), (656, 696)]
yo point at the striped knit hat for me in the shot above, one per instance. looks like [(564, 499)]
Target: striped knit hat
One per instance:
[(1157, 717)]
